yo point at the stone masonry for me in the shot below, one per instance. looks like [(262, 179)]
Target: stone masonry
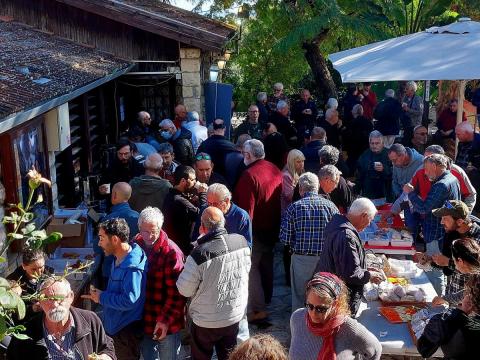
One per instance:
[(190, 61)]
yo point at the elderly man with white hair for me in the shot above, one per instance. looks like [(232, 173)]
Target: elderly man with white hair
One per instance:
[(258, 192), (303, 230), (469, 146), (62, 331), (412, 107), (374, 169), (199, 132), (181, 140), (343, 253), (388, 113), (164, 306), (277, 96), (264, 110), (281, 120), (333, 126)]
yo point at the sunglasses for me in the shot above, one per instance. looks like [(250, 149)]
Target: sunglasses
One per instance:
[(319, 309), (203, 157)]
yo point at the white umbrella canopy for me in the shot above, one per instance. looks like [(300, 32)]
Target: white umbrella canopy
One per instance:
[(450, 52)]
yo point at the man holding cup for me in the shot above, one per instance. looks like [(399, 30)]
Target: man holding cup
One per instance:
[(181, 208)]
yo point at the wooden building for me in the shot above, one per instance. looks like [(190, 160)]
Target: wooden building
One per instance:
[(95, 63)]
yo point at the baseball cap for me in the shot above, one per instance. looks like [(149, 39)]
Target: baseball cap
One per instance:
[(454, 208)]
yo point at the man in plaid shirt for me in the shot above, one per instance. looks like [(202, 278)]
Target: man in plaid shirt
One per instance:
[(302, 229), (164, 306), (458, 223), (445, 187)]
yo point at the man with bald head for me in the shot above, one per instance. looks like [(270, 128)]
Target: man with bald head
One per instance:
[(121, 193), (215, 277), (149, 189), (180, 115)]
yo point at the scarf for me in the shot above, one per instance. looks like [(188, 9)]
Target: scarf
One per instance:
[(327, 331)]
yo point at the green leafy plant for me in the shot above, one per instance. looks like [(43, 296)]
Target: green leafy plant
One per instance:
[(21, 221)]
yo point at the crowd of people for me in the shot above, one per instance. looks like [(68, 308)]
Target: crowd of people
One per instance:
[(188, 240)]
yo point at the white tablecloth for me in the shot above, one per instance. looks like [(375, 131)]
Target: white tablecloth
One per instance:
[(397, 340)]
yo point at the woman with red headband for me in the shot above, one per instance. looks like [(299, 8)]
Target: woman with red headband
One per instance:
[(324, 330)]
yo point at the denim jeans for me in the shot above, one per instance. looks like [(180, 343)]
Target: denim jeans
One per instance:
[(436, 276), (165, 349)]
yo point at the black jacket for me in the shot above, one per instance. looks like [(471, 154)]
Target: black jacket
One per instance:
[(217, 146), (182, 147), (312, 160), (119, 172), (387, 113), (90, 337), (455, 332), (343, 255), (276, 149), (284, 127), (180, 215)]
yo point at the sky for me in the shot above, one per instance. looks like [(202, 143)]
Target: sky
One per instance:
[(186, 4)]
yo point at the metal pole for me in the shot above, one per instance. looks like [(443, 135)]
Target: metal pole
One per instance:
[(426, 104)]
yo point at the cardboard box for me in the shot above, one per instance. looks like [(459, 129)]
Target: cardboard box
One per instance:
[(73, 234)]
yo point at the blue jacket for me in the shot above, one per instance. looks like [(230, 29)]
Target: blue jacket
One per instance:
[(237, 221), (124, 298), (122, 211)]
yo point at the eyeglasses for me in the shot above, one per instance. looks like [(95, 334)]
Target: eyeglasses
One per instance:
[(203, 156), (448, 205), (319, 309)]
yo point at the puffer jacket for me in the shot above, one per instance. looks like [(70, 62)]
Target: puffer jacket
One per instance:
[(215, 277)]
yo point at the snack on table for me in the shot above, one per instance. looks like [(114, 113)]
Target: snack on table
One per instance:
[(398, 314), (89, 257), (390, 293)]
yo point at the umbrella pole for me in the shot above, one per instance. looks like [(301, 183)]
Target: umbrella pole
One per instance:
[(426, 103), (460, 98)]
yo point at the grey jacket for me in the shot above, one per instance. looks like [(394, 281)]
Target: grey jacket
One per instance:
[(215, 278), (414, 109), (403, 175)]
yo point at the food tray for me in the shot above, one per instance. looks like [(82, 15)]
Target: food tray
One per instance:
[(420, 304), (398, 314), (82, 254)]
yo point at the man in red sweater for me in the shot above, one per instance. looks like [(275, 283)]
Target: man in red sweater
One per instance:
[(258, 192)]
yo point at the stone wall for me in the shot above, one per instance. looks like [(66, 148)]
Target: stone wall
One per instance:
[(190, 64)]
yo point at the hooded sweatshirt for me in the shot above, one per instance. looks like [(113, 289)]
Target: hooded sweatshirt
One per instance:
[(148, 190), (124, 298)]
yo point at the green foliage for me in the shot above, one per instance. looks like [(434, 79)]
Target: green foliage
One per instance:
[(257, 66), (410, 16), (20, 220)]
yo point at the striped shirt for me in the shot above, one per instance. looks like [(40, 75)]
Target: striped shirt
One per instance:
[(304, 222), (64, 349)]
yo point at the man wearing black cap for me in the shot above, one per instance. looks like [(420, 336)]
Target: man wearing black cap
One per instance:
[(217, 146), (458, 223)]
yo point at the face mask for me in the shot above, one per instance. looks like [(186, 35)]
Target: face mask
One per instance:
[(166, 135)]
